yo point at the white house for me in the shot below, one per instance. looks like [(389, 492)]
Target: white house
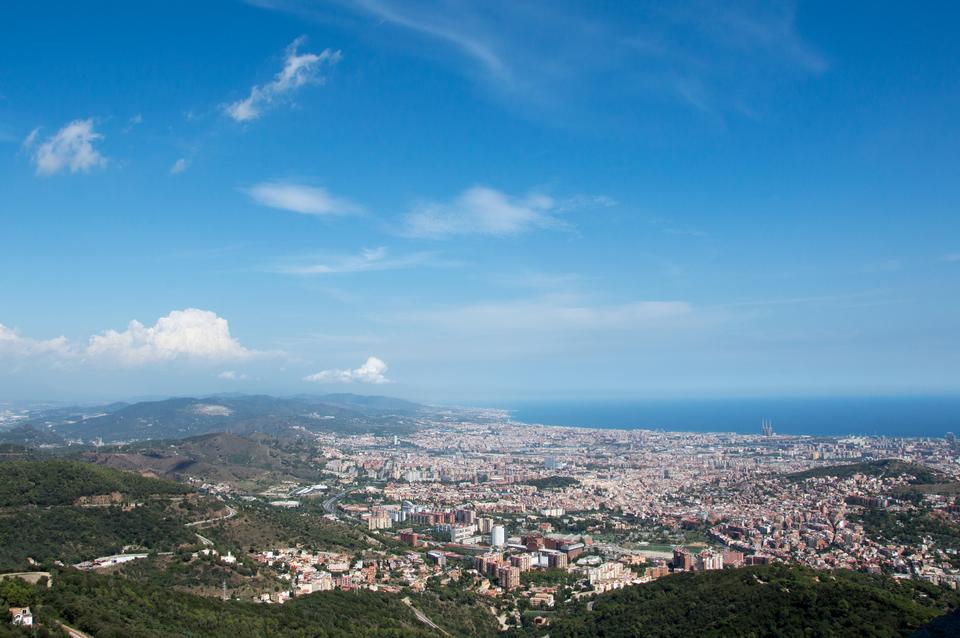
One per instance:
[(21, 616)]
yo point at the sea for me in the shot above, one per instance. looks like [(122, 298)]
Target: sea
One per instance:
[(834, 416)]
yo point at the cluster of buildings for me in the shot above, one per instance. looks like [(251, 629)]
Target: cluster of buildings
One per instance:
[(482, 501), (450, 482)]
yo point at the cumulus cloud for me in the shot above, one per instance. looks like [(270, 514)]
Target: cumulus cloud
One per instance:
[(71, 148), (482, 211), (12, 343), (179, 166), (372, 371), (189, 334), (298, 69), (298, 198)]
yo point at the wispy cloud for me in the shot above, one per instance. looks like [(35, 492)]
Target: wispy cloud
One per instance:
[(482, 211), (299, 198), (373, 259), (71, 148), (547, 56), (551, 314), (951, 257), (449, 26), (298, 69), (180, 166), (231, 375), (372, 371)]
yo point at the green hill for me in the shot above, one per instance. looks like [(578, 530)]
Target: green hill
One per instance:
[(249, 462), (56, 482), (776, 600), (114, 607), (884, 467), (49, 511)]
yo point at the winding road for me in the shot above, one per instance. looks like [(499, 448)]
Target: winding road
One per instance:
[(230, 514)]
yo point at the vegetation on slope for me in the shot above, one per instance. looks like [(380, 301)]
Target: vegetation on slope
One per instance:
[(249, 462), (909, 528), (776, 600), (260, 526), (113, 607), (886, 467), (73, 534), (56, 482), (40, 517)]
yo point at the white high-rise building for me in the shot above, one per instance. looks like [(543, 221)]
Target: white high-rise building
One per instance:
[(498, 536)]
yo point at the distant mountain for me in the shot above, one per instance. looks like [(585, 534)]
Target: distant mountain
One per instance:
[(187, 416), (368, 402)]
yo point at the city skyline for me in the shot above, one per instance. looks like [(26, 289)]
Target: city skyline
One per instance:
[(485, 203)]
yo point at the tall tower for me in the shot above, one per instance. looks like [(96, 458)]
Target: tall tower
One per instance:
[(767, 427)]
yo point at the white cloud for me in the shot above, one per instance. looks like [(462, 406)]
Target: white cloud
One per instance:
[(368, 260), (182, 334), (135, 120), (11, 343), (231, 375), (69, 148), (308, 200), (482, 211), (298, 70), (179, 166), (557, 63), (372, 371), (189, 334), (952, 257)]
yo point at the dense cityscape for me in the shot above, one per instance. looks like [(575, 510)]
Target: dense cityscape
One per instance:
[(593, 510)]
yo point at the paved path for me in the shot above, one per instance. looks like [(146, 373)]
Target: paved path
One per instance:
[(74, 633), (422, 617), (230, 514)]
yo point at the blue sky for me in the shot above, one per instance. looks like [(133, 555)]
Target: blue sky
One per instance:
[(479, 202)]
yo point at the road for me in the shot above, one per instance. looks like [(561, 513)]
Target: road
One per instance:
[(74, 633), (422, 617), (330, 505), (230, 514)]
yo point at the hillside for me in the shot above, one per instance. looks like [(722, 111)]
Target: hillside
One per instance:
[(242, 414), (109, 607), (70, 511), (57, 482), (885, 467), (777, 600), (247, 462)]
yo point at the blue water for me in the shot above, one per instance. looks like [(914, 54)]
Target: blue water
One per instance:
[(887, 416)]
